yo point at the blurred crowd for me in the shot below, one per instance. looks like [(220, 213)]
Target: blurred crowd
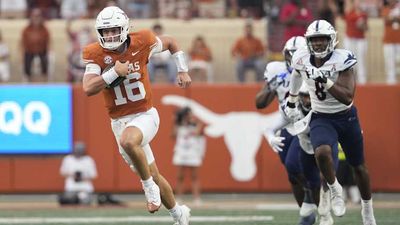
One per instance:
[(286, 18)]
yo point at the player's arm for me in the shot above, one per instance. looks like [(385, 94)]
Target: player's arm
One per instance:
[(169, 43), (265, 96), (344, 87), (94, 81), (295, 84)]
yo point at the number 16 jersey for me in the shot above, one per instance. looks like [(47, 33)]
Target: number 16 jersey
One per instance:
[(134, 94)]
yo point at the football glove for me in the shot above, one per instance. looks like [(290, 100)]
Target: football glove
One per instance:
[(275, 142), (316, 75), (291, 108)]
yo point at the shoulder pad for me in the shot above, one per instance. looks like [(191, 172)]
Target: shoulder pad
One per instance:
[(344, 59), (299, 57)]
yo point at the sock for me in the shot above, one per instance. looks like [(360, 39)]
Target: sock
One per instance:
[(335, 184), (175, 212), (308, 196), (148, 183), (366, 205)]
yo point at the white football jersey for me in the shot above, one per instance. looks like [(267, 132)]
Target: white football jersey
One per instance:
[(321, 100), (278, 70)]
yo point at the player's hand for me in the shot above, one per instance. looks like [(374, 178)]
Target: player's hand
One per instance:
[(183, 79), (316, 75), (291, 109), (275, 142), (121, 69)]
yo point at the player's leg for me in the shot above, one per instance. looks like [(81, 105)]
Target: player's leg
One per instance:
[(324, 139), (290, 166), (312, 183), (180, 213), (132, 134), (351, 140)]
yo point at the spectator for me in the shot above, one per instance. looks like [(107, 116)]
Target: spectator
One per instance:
[(391, 38), (162, 61), (4, 61), (211, 8), (73, 9), (356, 26), (251, 8), (78, 39), (248, 51), (327, 10), (138, 9), (79, 170), (200, 68), (295, 17), (49, 8), (11, 9), (35, 42), (189, 150)]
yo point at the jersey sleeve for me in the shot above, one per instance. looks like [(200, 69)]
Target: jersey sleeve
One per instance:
[(271, 71), (297, 59), (87, 55), (151, 41), (347, 59), (89, 58)]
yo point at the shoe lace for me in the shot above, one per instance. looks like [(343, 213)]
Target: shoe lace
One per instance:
[(335, 193)]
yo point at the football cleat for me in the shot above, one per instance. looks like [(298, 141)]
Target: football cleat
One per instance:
[(326, 219), (337, 201), (307, 209), (325, 202), (185, 215), (153, 198)]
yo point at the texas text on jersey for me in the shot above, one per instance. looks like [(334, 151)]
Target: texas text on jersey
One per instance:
[(134, 94)]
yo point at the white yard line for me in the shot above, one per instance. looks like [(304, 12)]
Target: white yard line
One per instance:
[(143, 219)]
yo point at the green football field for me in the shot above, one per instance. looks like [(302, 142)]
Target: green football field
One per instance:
[(232, 210)]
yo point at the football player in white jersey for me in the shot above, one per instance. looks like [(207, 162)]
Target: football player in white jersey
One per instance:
[(277, 76), (330, 79)]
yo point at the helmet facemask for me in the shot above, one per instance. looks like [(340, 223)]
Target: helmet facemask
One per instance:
[(316, 31), (305, 101), (111, 42), (316, 50), (290, 47)]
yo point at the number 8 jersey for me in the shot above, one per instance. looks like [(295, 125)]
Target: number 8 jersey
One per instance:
[(321, 100), (134, 94)]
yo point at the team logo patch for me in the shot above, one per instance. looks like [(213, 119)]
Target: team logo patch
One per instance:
[(108, 59), (300, 62)]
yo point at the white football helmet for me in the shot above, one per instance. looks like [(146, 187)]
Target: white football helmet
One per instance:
[(111, 17), (320, 28), (304, 96), (291, 46)]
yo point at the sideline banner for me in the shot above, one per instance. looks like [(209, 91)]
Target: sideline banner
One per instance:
[(35, 119)]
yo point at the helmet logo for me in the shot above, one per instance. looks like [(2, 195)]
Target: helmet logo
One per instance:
[(107, 59)]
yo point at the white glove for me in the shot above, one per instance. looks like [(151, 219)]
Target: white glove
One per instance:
[(316, 75), (291, 109), (275, 142)]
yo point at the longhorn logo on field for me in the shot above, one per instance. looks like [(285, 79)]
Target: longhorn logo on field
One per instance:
[(242, 131)]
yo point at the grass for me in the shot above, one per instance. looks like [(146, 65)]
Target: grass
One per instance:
[(384, 216)]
